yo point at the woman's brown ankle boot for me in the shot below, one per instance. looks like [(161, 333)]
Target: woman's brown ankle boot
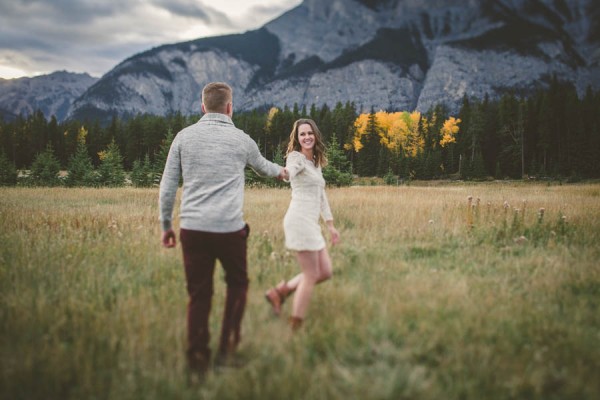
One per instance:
[(276, 296)]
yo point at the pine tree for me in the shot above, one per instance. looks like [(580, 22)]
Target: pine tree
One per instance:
[(383, 161), (141, 173), (474, 132), (511, 123), (80, 169), (543, 134), (45, 168), (464, 170), (367, 162), (111, 172), (498, 171), (337, 172), (433, 161), (478, 171), (417, 166), (279, 160), (389, 178), (8, 171), (161, 157), (251, 178), (402, 163)]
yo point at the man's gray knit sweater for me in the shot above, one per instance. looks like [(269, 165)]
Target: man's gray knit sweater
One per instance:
[(211, 155)]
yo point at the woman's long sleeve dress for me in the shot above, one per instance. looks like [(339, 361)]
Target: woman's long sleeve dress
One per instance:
[(309, 202)]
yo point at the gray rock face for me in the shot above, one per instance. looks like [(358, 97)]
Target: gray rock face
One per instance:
[(52, 94), (373, 88), (456, 73), (324, 29), (175, 86), (387, 54)]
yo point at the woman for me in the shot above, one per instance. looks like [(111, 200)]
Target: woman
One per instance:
[(305, 158)]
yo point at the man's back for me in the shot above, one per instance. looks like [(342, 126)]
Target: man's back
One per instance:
[(211, 156)]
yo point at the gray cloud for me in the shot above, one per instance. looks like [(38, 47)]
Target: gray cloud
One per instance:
[(260, 14), (193, 9), (61, 11), (95, 35)]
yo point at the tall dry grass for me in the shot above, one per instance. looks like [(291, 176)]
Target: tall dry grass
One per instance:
[(433, 296)]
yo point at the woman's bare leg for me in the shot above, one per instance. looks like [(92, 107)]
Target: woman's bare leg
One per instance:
[(316, 268), (276, 296), (325, 268), (309, 263), (325, 271), (293, 283)]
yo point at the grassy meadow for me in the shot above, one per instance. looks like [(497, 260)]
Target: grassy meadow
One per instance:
[(434, 296)]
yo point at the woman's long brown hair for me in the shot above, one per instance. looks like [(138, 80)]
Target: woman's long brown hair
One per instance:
[(320, 159)]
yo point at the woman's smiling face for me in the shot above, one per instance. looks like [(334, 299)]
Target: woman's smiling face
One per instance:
[(306, 137)]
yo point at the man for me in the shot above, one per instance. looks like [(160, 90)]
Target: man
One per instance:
[(211, 156)]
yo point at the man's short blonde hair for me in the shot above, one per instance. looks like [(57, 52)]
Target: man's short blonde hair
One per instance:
[(216, 96)]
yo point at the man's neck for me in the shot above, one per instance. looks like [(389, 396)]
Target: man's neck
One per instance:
[(218, 112)]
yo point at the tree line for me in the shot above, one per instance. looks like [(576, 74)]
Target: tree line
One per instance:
[(549, 133)]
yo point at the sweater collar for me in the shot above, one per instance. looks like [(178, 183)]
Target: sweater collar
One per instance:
[(216, 117)]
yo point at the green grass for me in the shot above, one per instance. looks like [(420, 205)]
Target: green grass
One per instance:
[(432, 298)]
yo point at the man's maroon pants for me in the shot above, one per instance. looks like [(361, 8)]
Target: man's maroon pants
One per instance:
[(200, 251)]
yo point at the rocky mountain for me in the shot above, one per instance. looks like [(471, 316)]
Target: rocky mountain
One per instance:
[(381, 54), (53, 94)]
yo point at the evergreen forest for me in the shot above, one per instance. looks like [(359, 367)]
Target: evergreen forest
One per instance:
[(550, 134)]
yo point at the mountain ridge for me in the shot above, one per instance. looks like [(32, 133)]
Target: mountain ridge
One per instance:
[(52, 94), (379, 54)]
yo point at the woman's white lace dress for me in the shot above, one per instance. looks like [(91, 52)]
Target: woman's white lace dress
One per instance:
[(309, 202)]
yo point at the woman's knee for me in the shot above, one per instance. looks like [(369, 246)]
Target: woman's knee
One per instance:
[(325, 274), (311, 277), (325, 269)]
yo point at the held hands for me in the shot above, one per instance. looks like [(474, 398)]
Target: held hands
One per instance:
[(283, 175), (169, 239)]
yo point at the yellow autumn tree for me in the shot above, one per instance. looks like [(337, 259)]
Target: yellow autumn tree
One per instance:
[(81, 135), (399, 131), (449, 131), (360, 128), (412, 142), (393, 129), (268, 124)]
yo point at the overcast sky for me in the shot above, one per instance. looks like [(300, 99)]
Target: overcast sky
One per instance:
[(93, 36)]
